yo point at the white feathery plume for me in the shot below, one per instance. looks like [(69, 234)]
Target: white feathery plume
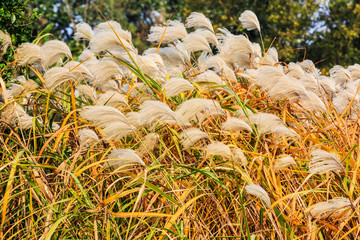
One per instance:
[(339, 207), (354, 70), (196, 41), (198, 20), (210, 36), (249, 20), (149, 143), (173, 31), (115, 26), (113, 99), (121, 157), (103, 71), (115, 125), (25, 86), (209, 77), (239, 156), (327, 83), (192, 135), (152, 65), (283, 162), (180, 47), (78, 69), (194, 108), (203, 61), (52, 51), (101, 116), (295, 70), (87, 56), (258, 53), (309, 67), (206, 61), (231, 44), (134, 119), (341, 100), (15, 115), (152, 112), (172, 58), (278, 85), (15, 90), (5, 42), (29, 85), (111, 26), (87, 91), (272, 57), (235, 124), (323, 162), (258, 191), (309, 82), (107, 26), (117, 130), (340, 74), (287, 88), (312, 103), (55, 76), (269, 123), (29, 53), (87, 136), (83, 32), (108, 40), (269, 76), (175, 86), (218, 149)]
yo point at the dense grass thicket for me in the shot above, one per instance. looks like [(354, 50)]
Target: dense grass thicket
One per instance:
[(206, 136)]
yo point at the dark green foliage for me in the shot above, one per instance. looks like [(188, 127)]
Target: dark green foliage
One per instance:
[(17, 18)]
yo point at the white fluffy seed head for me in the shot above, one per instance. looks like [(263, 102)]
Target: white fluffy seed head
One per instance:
[(87, 91), (235, 124), (259, 192), (29, 53), (175, 86), (218, 149), (110, 41), (323, 162), (192, 135), (336, 208), (83, 32), (269, 123), (283, 162), (166, 34), (239, 156), (113, 99), (340, 74), (52, 51), (152, 112), (249, 20), (87, 136), (196, 41), (148, 143), (15, 115), (197, 108), (103, 71), (121, 157), (198, 20), (55, 76), (78, 69), (5, 42)]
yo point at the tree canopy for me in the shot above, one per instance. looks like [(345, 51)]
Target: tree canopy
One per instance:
[(323, 31)]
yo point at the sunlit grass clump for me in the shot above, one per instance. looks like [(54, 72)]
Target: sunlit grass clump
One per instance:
[(206, 136)]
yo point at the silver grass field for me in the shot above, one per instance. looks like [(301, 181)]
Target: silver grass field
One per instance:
[(206, 136)]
